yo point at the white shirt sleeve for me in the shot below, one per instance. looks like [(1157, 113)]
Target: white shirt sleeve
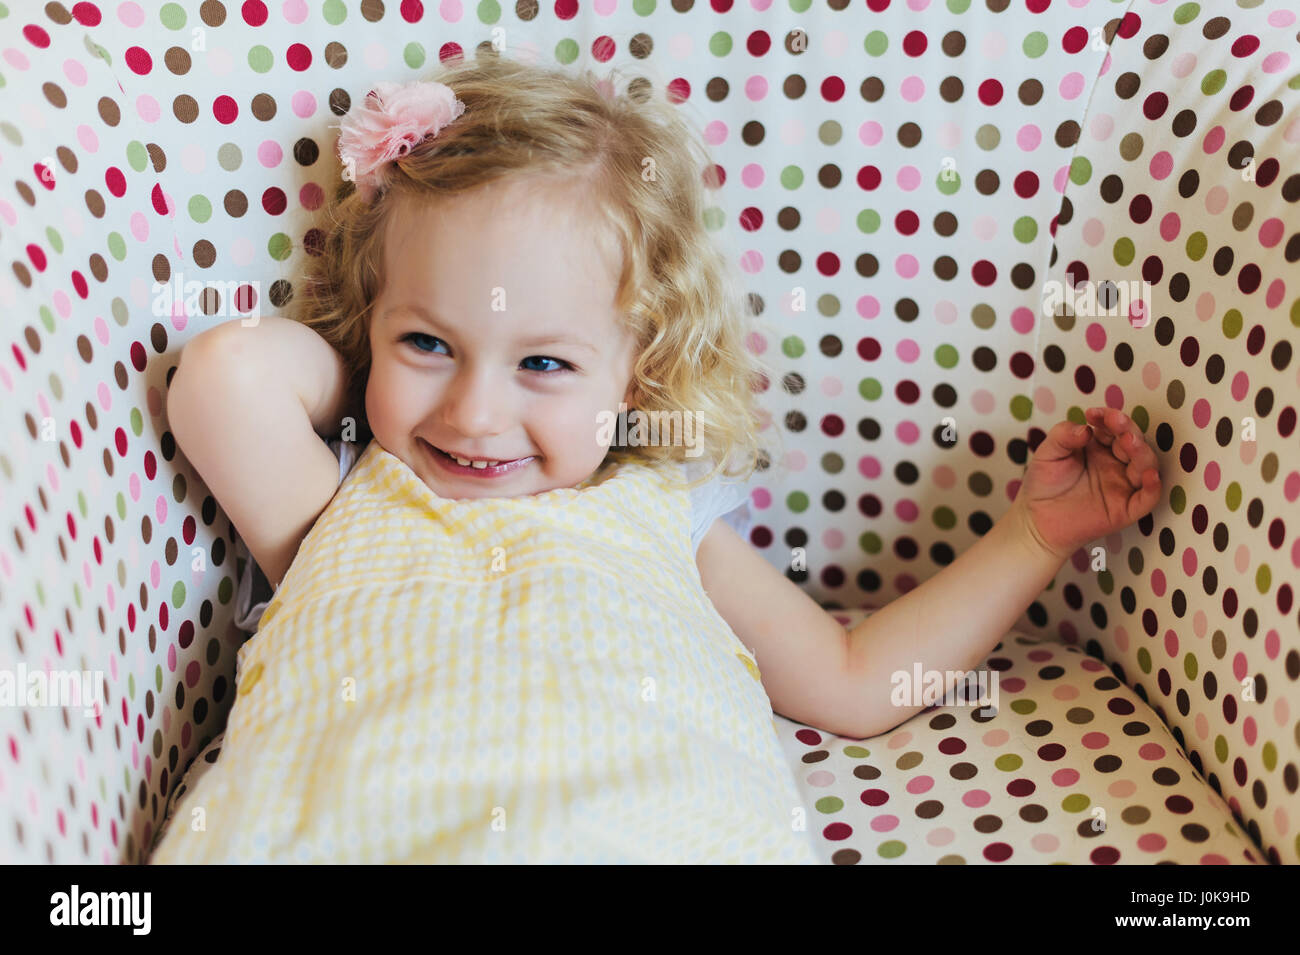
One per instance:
[(253, 592), (720, 498)]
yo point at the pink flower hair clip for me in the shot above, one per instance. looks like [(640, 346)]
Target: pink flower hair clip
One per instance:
[(392, 120)]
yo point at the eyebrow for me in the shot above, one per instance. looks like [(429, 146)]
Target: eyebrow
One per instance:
[(546, 339)]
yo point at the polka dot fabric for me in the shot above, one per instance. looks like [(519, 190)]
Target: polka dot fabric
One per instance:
[(900, 181)]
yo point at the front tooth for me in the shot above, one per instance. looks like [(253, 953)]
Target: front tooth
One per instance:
[(465, 461), (479, 465)]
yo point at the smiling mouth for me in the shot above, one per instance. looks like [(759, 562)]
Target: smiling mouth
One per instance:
[(478, 464)]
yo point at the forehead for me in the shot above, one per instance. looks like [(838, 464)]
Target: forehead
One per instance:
[(544, 242)]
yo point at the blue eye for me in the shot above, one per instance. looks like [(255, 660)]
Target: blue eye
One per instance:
[(412, 336)]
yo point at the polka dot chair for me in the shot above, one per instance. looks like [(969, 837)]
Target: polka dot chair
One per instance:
[(938, 207)]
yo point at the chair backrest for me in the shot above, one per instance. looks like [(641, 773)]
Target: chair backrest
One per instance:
[(926, 172)]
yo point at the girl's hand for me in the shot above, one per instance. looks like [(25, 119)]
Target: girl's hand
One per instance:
[(1078, 487)]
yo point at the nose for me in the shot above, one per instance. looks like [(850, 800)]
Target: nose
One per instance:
[(476, 403)]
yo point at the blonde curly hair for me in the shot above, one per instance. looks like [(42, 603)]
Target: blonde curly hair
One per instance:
[(677, 294)]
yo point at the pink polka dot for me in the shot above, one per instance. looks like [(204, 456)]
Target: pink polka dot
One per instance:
[(295, 11), (1103, 124), (1276, 292), (976, 798), (945, 312), (908, 350), (1170, 226), (832, 387), (1065, 777), (1093, 232), (75, 72), (1063, 692), (1214, 140), (269, 154), (1276, 62), (821, 779), (1095, 337), (1022, 320), (1161, 164), (89, 141), (912, 88), (1151, 842), (1270, 232), (1029, 137), (920, 784), (1071, 85), (303, 104), (1095, 740), (1281, 18), (1151, 752), (909, 177), (832, 539), (756, 89), (1183, 65), (1045, 842), (1122, 788), (906, 266), (940, 837), (870, 133), (130, 14), (752, 175), (868, 306), (147, 108), (869, 467), (751, 262), (886, 823)]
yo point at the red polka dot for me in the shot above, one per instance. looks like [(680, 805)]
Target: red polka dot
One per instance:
[(869, 177), (984, 272), (254, 13), (997, 852), (115, 181), (1245, 45), (828, 263), (758, 43), (603, 49), (1075, 39), (914, 43), (298, 56), (225, 109), (1026, 184), (832, 89), (566, 9), (87, 14), (907, 222), (36, 36), (837, 831), (1038, 6), (412, 11), (678, 90), (1129, 26), (990, 92), (751, 219), (138, 60)]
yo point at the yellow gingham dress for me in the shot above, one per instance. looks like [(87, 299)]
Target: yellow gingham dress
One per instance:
[(537, 679)]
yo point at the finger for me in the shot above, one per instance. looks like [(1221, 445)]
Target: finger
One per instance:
[(1144, 499), (1097, 418), (1062, 441)]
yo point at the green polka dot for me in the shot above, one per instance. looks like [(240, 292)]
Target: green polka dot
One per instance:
[(1269, 756), (334, 12), (1023, 707), (1144, 659), (1124, 251), (225, 590), (870, 543), (946, 356), (856, 752), (1187, 13), (261, 59), (876, 43), (714, 219), (1232, 496), (720, 43), (870, 389), (117, 246), (945, 518), (792, 346), (178, 595), (137, 422), (1080, 170), (1189, 666), (130, 685), (489, 11), (1295, 313), (948, 181), (1294, 82), (958, 6), (797, 501), (791, 177), (1213, 82), (47, 317), (829, 804), (1177, 499), (891, 849), (1196, 246), (644, 8), (1232, 323), (566, 52), (1221, 748), (413, 55), (1008, 762), (1025, 229), (40, 593), (157, 679), (199, 208), (279, 246), (137, 157), (1263, 579), (1075, 802), (1035, 44), (1022, 408), (869, 222)]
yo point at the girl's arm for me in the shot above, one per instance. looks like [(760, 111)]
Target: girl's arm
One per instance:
[(245, 405), (819, 674)]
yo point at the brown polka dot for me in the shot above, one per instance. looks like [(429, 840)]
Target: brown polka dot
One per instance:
[(213, 12), (1067, 134), (909, 134), (109, 112), (950, 89), (185, 108), (1155, 46), (177, 59), (54, 93), (987, 182), (1031, 91), (872, 89), (1126, 85), (1269, 113), (1216, 27), (1184, 123)]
